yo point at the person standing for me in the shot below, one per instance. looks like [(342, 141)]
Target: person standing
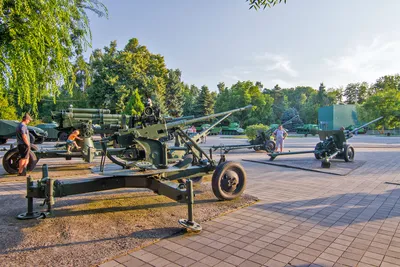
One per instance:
[(280, 135), (23, 144)]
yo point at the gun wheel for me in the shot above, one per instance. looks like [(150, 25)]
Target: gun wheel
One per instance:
[(269, 146), (228, 180), (11, 161), (348, 153), (317, 148)]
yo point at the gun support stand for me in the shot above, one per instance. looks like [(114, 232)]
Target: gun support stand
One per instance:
[(190, 223), (326, 161), (30, 214)]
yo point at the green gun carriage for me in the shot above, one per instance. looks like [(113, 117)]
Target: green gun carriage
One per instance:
[(333, 145), (145, 165), (261, 142)]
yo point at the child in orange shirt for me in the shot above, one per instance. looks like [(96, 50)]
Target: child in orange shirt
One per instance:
[(71, 141)]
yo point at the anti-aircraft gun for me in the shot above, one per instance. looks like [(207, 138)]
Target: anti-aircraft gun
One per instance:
[(333, 144), (261, 142), (145, 162), (88, 122)]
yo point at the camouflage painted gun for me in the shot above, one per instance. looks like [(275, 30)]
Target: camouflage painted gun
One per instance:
[(147, 166), (262, 142), (333, 144)]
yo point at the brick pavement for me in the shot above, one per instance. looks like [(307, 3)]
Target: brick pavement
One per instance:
[(302, 219)]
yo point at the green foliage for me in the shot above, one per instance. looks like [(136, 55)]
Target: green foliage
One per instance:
[(242, 94), (190, 94), (135, 104), (115, 74), (7, 111), (38, 40), (385, 103), (205, 102), (251, 130), (257, 4), (174, 93)]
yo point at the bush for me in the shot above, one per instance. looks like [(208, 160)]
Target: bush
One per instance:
[(251, 131)]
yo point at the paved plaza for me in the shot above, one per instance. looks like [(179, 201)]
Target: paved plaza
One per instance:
[(303, 218)]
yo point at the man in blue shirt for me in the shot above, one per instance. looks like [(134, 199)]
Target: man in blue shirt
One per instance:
[(24, 145)]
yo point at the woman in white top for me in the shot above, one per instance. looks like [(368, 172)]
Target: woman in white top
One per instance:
[(280, 135)]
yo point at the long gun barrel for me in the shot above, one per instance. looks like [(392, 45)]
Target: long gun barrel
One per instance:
[(286, 122), (204, 118), (365, 125)]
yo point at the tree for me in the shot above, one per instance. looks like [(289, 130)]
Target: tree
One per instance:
[(190, 94), (7, 111), (205, 102), (385, 103), (115, 74), (350, 92), (257, 4), (174, 93), (290, 114), (38, 42), (135, 104)]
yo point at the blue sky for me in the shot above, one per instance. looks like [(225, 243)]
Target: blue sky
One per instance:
[(303, 42)]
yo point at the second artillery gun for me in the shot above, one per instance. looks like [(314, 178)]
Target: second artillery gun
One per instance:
[(333, 145), (146, 165), (262, 142)]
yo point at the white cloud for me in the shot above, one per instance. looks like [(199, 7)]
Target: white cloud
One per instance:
[(272, 62), (267, 67), (368, 62)]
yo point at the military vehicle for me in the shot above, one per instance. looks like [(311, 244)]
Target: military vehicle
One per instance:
[(231, 128), (146, 165), (261, 142), (307, 129), (8, 130), (333, 144), (362, 130), (214, 131)]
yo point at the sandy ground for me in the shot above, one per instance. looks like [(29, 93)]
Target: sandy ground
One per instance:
[(89, 229)]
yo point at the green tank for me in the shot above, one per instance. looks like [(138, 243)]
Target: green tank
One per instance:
[(231, 128), (8, 128), (359, 131), (308, 129)]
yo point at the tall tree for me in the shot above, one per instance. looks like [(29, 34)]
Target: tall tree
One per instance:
[(350, 93), (174, 93), (38, 42), (190, 94), (135, 104), (115, 74), (205, 102)]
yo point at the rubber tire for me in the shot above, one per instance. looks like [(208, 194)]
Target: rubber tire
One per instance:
[(346, 156), (317, 155), (218, 175), (3, 141), (269, 146), (10, 168)]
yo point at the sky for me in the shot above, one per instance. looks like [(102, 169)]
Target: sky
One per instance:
[(300, 43)]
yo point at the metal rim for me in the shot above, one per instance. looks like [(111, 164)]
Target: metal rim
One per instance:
[(232, 181)]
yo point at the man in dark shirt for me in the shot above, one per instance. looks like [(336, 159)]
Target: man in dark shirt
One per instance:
[(24, 145)]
